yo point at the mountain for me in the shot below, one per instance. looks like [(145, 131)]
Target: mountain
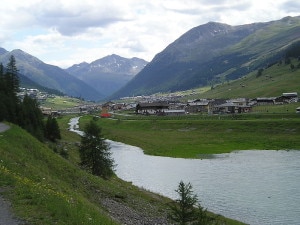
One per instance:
[(108, 74), (50, 76), (3, 51), (212, 53), (27, 83)]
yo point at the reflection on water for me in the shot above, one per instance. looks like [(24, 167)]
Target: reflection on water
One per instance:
[(256, 187)]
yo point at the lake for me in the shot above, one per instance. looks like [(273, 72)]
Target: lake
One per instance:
[(255, 187)]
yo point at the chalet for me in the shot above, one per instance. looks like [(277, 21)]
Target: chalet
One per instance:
[(198, 107), (118, 106), (290, 97), (151, 108), (264, 101), (49, 112), (230, 107), (240, 101), (108, 105)]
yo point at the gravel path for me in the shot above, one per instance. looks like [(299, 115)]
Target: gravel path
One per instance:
[(3, 127), (6, 215)]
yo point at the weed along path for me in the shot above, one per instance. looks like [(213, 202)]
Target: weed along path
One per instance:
[(6, 215)]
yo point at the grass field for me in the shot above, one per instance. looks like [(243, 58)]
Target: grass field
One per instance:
[(61, 102), (193, 136)]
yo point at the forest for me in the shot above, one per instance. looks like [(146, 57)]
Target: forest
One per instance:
[(24, 112)]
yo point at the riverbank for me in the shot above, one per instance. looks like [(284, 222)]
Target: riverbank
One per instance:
[(137, 214), (198, 137), (44, 188)]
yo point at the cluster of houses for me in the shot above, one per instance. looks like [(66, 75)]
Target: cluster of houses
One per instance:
[(171, 106), (34, 93), (209, 106)]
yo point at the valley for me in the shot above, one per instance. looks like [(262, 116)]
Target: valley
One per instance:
[(215, 91)]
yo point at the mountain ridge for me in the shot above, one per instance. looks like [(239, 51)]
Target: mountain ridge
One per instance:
[(109, 73), (50, 76), (211, 52)]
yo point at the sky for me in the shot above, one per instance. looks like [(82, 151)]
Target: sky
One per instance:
[(68, 32)]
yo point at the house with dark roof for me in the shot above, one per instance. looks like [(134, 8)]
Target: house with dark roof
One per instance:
[(154, 108), (230, 107)]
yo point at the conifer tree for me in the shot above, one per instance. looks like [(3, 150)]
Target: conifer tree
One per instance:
[(94, 152), (184, 211), (12, 78), (52, 131), (30, 117)]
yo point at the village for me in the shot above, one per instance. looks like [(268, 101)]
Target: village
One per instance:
[(164, 106), (204, 106), (170, 107)]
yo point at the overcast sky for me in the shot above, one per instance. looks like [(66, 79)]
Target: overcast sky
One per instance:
[(66, 32)]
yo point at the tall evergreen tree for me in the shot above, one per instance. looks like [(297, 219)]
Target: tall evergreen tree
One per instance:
[(94, 152), (52, 131), (30, 117), (12, 75), (25, 113)]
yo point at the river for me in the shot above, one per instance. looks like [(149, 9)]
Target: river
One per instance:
[(255, 187)]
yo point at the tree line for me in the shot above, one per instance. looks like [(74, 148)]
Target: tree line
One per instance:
[(24, 112)]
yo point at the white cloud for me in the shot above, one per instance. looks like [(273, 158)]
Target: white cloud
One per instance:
[(65, 32)]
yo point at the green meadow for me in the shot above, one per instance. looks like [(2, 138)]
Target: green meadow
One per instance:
[(273, 81), (61, 102), (195, 136)]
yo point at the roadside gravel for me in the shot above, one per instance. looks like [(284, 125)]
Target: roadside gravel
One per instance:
[(129, 216), (6, 215)]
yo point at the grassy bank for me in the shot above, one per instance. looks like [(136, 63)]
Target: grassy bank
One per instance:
[(45, 188), (190, 137)]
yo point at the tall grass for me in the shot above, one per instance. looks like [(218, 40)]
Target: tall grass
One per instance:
[(41, 183)]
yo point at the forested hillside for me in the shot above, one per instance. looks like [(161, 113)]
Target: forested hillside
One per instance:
[(23, 112)]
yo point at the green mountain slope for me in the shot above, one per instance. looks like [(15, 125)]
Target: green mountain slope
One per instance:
[(47, 189), (27, 83), (212, 53), (274, 81), (50, 76)]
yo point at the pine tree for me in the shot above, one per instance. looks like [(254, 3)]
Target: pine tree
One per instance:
[(12, 77), (52, 131), (94, 152), (30, 117), (184, 211), (187, 210)]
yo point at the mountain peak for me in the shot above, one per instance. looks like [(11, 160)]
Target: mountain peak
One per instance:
[(3, 51), (109, 73), (213, 51)]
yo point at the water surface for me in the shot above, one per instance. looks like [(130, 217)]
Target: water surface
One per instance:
[(256, 187)]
